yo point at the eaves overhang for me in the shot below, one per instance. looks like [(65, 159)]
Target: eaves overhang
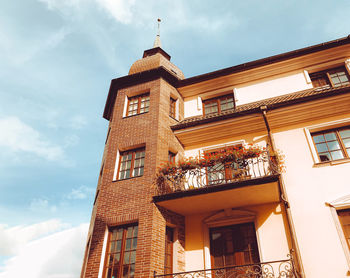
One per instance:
[(134, 79), (265, 61), (271, 103), (161, 72)]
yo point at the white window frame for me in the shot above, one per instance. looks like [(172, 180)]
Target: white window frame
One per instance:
[(340, 204), (320, 127)]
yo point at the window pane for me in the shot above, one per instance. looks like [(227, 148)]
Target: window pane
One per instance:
[(337, 155), (120, 234), (346, 142), (125, 271), (132, 257), (134, 242), (345, 133), (119, 245), (333, 145), (321, 147), (330, 136), (126, 258), (319, 138), (129, 233), (132, 271), (136, 228)]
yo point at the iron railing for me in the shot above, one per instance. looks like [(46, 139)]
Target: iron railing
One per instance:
[(217, 173), (274, 269)]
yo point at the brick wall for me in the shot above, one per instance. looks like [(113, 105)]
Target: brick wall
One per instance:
[(128, 201)]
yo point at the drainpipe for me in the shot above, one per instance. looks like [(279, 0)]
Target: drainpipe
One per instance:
[(285, 203)]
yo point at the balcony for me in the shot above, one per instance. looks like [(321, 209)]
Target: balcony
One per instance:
[(274, 269), (227, 180)]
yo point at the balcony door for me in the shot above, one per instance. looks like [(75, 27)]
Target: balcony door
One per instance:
[(221, 172), (233, 245)]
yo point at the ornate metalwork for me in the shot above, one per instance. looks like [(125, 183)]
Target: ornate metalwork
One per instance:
[(274, 269), (218, 173)]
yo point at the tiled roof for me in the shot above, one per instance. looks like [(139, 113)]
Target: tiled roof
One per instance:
[(273, 102), (155, 61)]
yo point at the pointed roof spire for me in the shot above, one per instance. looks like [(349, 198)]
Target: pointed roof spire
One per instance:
[(157, 42)]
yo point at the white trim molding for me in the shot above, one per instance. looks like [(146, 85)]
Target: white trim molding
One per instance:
[(339, 204)]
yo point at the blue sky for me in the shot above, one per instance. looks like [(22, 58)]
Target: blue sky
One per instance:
[(57, 58)]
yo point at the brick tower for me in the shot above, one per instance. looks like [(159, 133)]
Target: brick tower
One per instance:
[(128, 233)]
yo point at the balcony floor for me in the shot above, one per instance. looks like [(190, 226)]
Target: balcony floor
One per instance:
[(244, 193)]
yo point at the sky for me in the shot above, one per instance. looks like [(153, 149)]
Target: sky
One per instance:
[(57, 58)]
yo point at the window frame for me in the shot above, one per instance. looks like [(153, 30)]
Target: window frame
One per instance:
[(325, 75), (139, 101), (217, 100), (123, 250), (172, 108), (339, 140), (171, 157), (228, 217), (251, 226), (132, 165), (168, 269)]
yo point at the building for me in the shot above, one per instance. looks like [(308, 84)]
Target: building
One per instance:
[(256, 183)]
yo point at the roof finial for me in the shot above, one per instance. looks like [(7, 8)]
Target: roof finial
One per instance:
[(157, 42)]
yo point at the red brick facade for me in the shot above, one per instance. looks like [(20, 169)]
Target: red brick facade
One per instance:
[(130, 201)]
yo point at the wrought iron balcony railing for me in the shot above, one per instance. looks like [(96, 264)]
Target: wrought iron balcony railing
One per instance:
[(217, 173), (274, 269)]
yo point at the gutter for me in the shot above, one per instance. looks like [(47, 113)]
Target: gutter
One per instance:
[(284, 200)]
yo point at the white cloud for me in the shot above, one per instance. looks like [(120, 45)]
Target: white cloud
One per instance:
[(13, 239), (12, 48), (19, 137), (40, 204), (119, 9), (59, 255), (80, 193)]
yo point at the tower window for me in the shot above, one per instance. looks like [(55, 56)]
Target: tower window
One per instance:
[(172, 111), (131, 164), (330, 78), (171, 157), (138, 105), (218, 105), (121, 252)]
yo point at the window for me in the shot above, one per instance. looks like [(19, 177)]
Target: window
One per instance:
[(218, 105), (171, 157), (344, 218), (172, 111), (330, 78), (131, 164), (121, 252), (138, 105), (169, 242), (233, 245), (332, 144)]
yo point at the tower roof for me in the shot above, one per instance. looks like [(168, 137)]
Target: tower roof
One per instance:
[(154, 58)]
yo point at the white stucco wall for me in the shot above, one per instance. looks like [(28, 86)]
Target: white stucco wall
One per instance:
[(308, 188)]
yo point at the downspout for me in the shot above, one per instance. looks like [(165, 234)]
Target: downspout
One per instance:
[(285, 203)]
